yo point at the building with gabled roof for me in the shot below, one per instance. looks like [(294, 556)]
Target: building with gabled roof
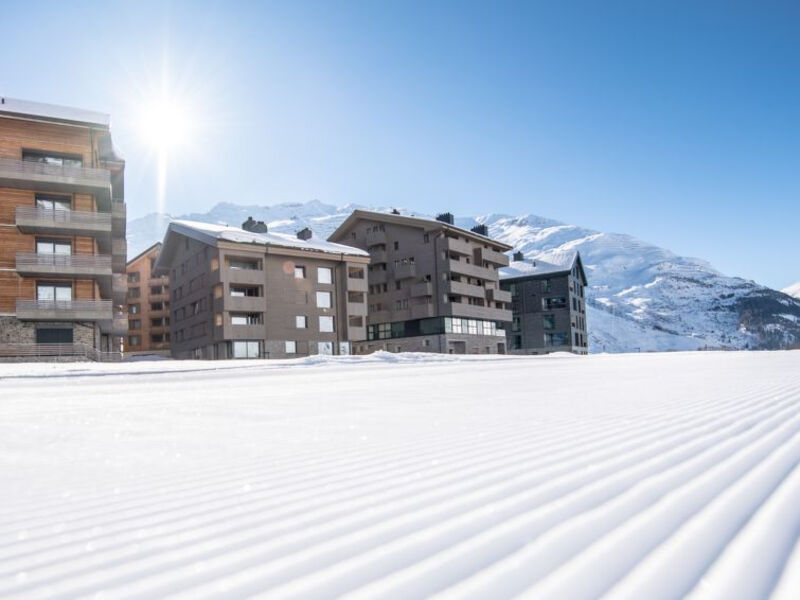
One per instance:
[(147, 305), (548, 302), (246, 294), (433, 286)]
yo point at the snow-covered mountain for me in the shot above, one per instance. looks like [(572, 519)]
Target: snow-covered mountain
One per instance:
[(641, 297), (793, 290)]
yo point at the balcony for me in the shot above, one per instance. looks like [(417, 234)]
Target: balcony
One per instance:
[(28, 174), (377, 256), (424, 288), (376, 237), (495, 295), (405, 271), (244, 332), (422, 311), (116, 325), (470, 270), (119, 288), (355, 309), (491, 256), (458, 246), (247, 276), (64, 310), (244, 304), (119, 214), (119, 254), (376, 277), (356, 284), (459, 288), (31, 219), (471, 311), (31, 263)]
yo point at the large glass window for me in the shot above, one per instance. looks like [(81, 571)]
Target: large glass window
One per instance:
[(549, 321), (52, 158), (243, 264), (245, 349), (556, 339), (245, 319), (325, 348), (551, 303), (53, 291), (60, 335), (324, 275), (46, 246), (326, 324), (49, 202), (244, 291), (324, 299)]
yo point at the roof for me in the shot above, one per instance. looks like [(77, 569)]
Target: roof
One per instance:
[(143, 253), (427, 223), (52, 112), (210, 233), (519, 269)]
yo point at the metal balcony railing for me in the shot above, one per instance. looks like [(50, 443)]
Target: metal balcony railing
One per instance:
[(31, 217), (56, 351), (63, 264), (64, 310), (16, 173)]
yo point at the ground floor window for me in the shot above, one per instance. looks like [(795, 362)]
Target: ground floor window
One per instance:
[(61, 335), (344, 348), (245, 349), (291, 347), (325, 348)]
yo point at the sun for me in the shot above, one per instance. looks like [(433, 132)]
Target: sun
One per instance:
[(166, 124)]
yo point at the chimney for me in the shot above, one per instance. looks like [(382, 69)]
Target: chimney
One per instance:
[(249, 224), (254, 226), (304, 234), (395, 211), (445, 218), (518, 256), (481, 230)]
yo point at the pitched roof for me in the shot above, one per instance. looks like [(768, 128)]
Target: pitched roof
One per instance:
[(52, 112), (143, 253), (534, 267), (426, 223), (210, 233)]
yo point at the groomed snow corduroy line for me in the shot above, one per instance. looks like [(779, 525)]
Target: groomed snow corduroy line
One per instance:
[(401, 476)]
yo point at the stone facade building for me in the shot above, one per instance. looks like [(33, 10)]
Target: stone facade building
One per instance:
[(243, 294), (548, 302), (62, 233), (148, 305), (433, 287)]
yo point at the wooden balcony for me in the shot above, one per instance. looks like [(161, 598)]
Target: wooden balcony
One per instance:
[(31, 219), (28, 174), (64, 310), (32, 263)]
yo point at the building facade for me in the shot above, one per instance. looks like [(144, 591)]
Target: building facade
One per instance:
[(147, 306), (548, 302), (62, 233), (242, 294), (433, 287)]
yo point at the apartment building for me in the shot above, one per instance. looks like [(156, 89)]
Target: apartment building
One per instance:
[(148, 305), (548, 302), (256, 294), (433, 287), (62, 233)]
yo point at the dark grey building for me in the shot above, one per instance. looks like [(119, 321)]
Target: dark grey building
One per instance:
[(548, 305)]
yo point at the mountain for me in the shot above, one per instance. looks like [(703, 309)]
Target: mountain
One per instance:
[(793, 290), (640, 297)]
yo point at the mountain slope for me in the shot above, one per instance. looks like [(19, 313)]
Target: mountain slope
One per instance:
[(641, 297), (793, 290)]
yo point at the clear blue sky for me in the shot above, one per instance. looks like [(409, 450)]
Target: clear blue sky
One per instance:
[(677, 122)]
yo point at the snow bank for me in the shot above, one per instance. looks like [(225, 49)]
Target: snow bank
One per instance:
[(403, 476)]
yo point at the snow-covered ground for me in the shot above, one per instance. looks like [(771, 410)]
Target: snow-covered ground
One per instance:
[(403, 476)]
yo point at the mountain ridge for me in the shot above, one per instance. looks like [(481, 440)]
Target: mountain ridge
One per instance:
[(641, 297)]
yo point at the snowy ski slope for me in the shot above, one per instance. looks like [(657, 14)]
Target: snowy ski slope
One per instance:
[(403, 476)]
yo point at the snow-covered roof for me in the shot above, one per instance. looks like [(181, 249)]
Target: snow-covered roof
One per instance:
[(67, 114), (428, 223), (533, 267), (210, 232)]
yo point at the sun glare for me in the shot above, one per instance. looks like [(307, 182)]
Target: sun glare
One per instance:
[(165, 125)]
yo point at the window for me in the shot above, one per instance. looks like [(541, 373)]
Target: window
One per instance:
[(55, 335), (426, 238), (397, 245), (301, 321), (545, 285), (355, 272), (551, 303), (291, 347), (45, 246), (157, 322), (515, 324), (133, 277), (134, 324), (157, 306), (326, 324), (324, 275), (299, 272), (156, 290), (48, 202), (54, 292), (324, 299), (397, 285), (245, 349), (133, 309), (549, 322), (244, 291), (53, 158), (134, 292), (157, 338), (325, 348), (243, 264), (577, 339), (246, 319), (556, 339), (134, 340)]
